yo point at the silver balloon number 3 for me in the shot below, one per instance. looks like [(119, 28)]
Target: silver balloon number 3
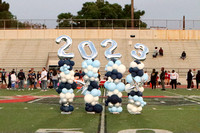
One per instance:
[(93, 50), (61, 51), (143, 51), (109, 52)]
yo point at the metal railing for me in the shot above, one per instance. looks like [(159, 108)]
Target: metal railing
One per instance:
[(98, 24)]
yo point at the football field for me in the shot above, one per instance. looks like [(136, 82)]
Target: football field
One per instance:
[(175, 111)]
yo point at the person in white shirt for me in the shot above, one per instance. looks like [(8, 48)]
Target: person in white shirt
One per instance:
[(44, 79), (13, 80), (174, 76)]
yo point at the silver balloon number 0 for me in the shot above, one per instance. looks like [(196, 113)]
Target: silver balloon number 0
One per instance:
[(109, 52), (61, 52), (93, 50), (143, 51)]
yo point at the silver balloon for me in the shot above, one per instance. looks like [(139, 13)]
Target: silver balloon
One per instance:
[(61, 51), (143, 51), (109, 52), (93, 50)]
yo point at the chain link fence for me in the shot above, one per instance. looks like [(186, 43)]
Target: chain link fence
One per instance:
[(99, 24)]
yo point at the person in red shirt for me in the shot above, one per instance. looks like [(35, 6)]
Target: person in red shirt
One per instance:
[(168, 78)]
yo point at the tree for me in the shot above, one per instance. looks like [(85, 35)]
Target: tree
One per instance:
[(101, 10)]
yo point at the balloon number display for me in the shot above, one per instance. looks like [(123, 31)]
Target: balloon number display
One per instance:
[(135, 80), (114, 72), (67, 84)]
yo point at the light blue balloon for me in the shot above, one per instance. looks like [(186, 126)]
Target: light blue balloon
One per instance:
[(118, 62), (99, 93), (87, 92), (130, 97), (129, 78), (120, 87), (64, 90), (65, 68), (110, 109), (137, 79), (95, 75), (135, 98), (66, 72), (145, 103), (90, 74), (62, 69), (70, 90), (140, 99), (145, 77), (96, 63), (89, 62), (94, 92), (110, 63), (114, 109), (111, 86), (106, 84), (119, 109)]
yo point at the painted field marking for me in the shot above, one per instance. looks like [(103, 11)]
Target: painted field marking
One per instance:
[(102, 126), (25, 107), (72, 130), (136, 130), (35, 100)]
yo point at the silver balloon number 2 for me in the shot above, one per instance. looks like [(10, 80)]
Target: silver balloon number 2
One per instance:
[(109, 52), (92, 49), (143, 51), (61, 52)]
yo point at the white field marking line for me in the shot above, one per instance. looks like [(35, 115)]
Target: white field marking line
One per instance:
[(190, 99), (102, 126), (36, 100)]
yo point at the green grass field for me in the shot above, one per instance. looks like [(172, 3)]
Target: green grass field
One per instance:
[(179, 115)]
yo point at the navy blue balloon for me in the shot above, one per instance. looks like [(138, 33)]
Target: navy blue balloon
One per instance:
[(135, 69), (70, 67), (131, 70), (133, 74), (61, 85), (61, 63), (114, 71), (106, 103), (67, 62), (120, 100), (137, 61), (108, 74), (71, 108), (64, 108), (113, 76), (119, 75), (98, 108), (74, 85), (68, 86), (94, 84), (90, 88), (90, 109), (132, 93), (114, 99), (59, 90), (139, 93), (72, 63), (140, 73)]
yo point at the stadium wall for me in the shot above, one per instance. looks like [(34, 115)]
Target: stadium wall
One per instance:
[(100, 34)]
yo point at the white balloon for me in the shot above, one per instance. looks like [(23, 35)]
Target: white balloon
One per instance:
[(116, 91), (141, 66), (72, 95), (110, 79), (97, 79), (115, 66), (134, 109), (139, 109), (88, 98), (60, 102), (137, 104), (89, 68), (95, 70), (64, 80), (96, 99), (85, 70), (72, 73), (68, 76), (85, 77), (131, 101), (72, 78), (109, 93), (109, 68), (117, 105), (129, 106), (93, 103), (62, 74), (119, 94), (110, 104), (141, 89), (127, 88), (71, 100), (133, 64), (68, 95), (116, 80), (70, 81), (62, 95), (92, 78), (121, 69)]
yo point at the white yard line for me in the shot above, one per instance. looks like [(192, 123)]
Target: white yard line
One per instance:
[(35, 100), (102, 126)]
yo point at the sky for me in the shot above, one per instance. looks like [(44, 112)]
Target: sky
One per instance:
[(155, 9)]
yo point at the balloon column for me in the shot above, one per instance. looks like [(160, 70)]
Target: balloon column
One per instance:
[(67, 85), (91, 80), (135, 80), (114, 70)]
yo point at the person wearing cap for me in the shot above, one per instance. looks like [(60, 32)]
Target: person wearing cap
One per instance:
[(21, 78)]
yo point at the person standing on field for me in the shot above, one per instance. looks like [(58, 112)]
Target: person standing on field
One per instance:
[(174, 77), (162, 78), (44, 79)]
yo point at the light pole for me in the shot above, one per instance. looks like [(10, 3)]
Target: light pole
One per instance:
[(132, 13)]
